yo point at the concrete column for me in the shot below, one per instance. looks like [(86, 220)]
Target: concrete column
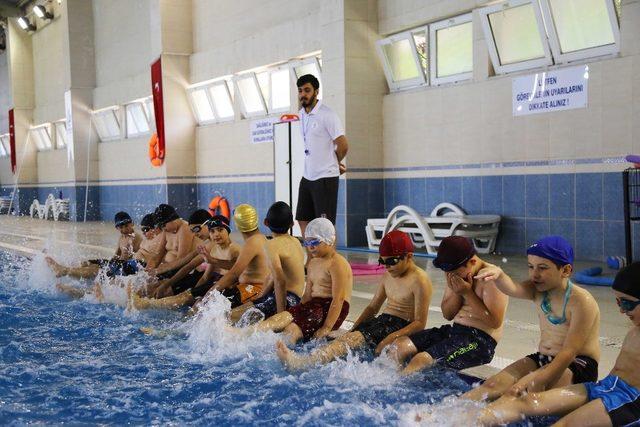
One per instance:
[(20, 53)]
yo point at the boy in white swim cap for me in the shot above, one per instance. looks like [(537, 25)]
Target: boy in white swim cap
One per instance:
[(325, 302)]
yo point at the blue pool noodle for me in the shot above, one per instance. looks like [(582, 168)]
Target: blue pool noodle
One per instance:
[(590, 276)]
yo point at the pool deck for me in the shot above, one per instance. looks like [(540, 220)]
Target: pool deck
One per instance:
[(30, 236)]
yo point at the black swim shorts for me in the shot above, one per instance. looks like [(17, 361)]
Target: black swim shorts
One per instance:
[(187, 282), (376, 329), (456, 346), (317, 199), (201, 291), (267, 304), (584, 368)]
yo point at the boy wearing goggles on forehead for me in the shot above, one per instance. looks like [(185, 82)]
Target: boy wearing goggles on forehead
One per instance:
[(408, 291), (325, 302), (476, 307), (569, 317), (614, 400)]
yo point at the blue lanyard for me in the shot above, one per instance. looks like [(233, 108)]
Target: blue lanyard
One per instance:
[(305, 128)]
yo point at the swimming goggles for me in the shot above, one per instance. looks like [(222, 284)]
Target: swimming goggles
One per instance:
[(146, 229), (213, 223), (197, 228), (312, 243), (627, 305), (390, 261), (545, 306)]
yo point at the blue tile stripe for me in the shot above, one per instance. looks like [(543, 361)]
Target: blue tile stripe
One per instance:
[(498, 165)]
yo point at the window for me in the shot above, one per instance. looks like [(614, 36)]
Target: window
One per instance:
[(137, 120), (280, 90), (5, 147), (222, 102), (402, 66), (422, 48), (202, 106), (515, 35), (212, 102), (107, 124), (250, 95), (451, 46), (151, 115), (61, 133), (41, 136), (311, 66), (580, 29)]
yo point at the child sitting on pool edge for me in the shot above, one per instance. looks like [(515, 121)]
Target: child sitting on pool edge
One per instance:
[(569, 347), (614, 400), (285, 258), (408, 289), (325, 303), (476, 307)]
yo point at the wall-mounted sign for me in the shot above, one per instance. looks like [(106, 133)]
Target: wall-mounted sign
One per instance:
[(262, 130), (549, 91)]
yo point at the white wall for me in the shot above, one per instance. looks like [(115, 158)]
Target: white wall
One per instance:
[(230, 37), (474, 120), (5, 94), (50, 68), (124, 49)]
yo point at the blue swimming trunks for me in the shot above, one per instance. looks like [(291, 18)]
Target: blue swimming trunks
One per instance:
[(621, 400), (267, 304)]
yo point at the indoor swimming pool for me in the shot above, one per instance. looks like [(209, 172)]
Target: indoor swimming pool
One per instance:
[(79, 362)]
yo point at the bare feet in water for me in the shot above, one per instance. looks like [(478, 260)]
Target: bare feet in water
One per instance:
[(288, 357), (72, 291), (57, 269)]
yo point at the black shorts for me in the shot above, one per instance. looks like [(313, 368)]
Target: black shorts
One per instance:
[(376, 329), (456, 346), (187, 282), (583, 368), (167, 275), (317, 199), (202, 290), (267, 304)]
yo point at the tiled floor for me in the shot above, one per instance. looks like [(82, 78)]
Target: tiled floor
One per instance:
[(82, 240)]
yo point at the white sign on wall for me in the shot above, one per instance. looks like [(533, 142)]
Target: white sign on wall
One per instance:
[(262, 130), (554, 90)]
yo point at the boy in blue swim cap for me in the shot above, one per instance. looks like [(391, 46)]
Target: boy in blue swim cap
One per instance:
[(614, 400), (569, 350)]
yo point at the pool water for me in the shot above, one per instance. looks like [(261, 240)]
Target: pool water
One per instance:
[(79, 362)]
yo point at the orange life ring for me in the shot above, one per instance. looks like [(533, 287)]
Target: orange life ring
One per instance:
[(156, 154), (219, 206), (289, 118)]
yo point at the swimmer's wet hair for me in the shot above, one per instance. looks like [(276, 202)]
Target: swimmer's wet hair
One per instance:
[(199, 217), (627, 280), (308, 78)]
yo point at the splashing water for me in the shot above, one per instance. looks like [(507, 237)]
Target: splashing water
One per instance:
[(69, 361)]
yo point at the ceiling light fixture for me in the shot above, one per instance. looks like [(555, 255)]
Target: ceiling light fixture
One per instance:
[(41, 12), (25, 24)]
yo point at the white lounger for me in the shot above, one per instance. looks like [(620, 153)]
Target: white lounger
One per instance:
[(5, 203), (446, 219), (52, 208)]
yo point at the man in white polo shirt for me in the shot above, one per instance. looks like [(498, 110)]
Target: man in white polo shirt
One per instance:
[(325, 146)]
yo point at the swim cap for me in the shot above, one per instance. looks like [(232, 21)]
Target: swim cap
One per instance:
[(453, 253), (627, 280), (246, 218), (553, 248), (199, 217), (122, 218), (279, 217), (219, 221), (164, 214), (149, 220), (321, 229), (396, 243)]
